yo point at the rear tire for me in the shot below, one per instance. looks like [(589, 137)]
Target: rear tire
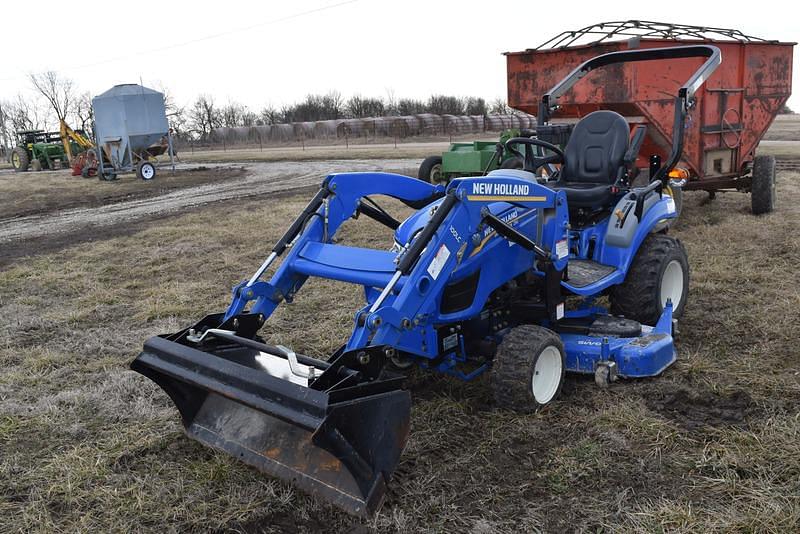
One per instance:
[(659, 271), (431, 170), (145, 170), (528, 370), (762, 188), (20, 159)]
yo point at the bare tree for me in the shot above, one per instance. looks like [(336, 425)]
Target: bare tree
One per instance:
[(83, 113), (234, 114), (204, 115), (59, 92), (23, 114), (175, 114), (391, 102), (475, 106), (445, 105), (269, 115), (409, 106), (499, 107), (360, 107)]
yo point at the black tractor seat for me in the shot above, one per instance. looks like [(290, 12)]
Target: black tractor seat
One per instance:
[(596, 156), (584, 195)]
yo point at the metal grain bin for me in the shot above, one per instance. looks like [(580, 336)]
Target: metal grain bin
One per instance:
[(130, 124)]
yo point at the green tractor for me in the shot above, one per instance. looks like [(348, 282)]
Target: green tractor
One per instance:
[(475, 158), (38, 150)]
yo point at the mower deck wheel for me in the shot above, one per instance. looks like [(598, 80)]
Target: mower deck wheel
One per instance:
[(528, 370), (602, 376)]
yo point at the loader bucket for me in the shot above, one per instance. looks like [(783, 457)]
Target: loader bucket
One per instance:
[(340, 442)]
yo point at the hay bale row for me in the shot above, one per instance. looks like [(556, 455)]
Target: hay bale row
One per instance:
[(405, 126)]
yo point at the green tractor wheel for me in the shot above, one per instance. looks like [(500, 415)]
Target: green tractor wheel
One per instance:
[(20, 160), (431, 170)]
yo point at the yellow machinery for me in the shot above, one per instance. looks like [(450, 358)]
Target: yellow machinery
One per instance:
[(70, 138)]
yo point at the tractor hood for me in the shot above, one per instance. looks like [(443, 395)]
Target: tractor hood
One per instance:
[(416, 222)]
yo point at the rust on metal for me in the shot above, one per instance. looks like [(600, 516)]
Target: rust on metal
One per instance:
[(732, 112)]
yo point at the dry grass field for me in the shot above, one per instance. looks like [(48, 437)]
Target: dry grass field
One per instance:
[(713, 445), (33, 193)]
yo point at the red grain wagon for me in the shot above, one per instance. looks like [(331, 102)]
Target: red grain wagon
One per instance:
[(732, 111)]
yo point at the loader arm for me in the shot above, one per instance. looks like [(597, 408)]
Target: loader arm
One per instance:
[(337, 200), (412, 279), (425, 266), (68, 133)]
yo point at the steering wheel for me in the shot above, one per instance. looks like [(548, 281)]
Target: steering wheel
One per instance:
[(530, 162)]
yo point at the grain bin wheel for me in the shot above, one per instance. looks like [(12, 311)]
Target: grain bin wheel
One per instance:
[(431, 171), (762, 188), (146, 170), (660, 271), (512, 163), (528, 370), (20, 160)]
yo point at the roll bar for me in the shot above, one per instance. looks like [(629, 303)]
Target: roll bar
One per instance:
[(683, 101)]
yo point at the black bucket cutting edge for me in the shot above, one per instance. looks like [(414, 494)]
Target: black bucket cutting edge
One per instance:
[(340, 444)]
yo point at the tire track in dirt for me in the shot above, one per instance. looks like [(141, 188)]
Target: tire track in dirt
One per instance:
[(262, 179)]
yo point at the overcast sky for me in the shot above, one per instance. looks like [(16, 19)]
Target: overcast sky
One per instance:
[(276, 52)]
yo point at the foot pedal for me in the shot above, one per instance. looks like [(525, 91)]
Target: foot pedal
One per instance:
[(582, 273)]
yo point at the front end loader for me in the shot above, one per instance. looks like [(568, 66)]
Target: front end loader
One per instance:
[(498, 273)]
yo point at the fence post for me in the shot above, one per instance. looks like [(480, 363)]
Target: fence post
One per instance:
[(260, 144)]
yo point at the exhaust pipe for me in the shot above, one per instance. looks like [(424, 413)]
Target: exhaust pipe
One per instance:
[(333, 429)]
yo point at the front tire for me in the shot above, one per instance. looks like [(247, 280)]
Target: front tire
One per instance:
[(762, 188), (528, 370), (660, 271), (20, 159), (431, 170)]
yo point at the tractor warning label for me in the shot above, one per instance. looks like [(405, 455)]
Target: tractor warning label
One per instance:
[(562, 249), (438, 262)]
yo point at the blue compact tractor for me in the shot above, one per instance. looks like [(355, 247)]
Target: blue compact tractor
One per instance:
[(498, 274)]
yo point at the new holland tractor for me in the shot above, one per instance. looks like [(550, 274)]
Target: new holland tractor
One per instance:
[(496, 274)]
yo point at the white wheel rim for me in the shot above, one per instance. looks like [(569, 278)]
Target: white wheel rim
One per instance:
[(546, 375), (672, 284), (436, 174), (148, 171)]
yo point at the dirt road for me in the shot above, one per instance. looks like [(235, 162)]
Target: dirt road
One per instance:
[(261, 179)]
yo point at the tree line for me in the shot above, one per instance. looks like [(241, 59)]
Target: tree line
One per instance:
[(204, 114), (53, 97)]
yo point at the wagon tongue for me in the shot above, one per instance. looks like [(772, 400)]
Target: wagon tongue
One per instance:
[(334, 429)]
